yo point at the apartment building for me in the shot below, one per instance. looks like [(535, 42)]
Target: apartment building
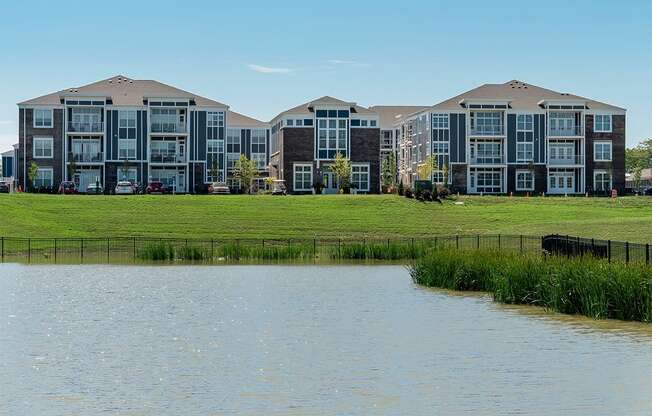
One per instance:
[(8, 165), (516, 137), (388, 116), (138, 130), (305, 140)]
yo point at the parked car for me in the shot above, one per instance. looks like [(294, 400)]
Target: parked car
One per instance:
[(125, 188), (156, 188), (68, 188), (94, 189), (4, 188), (278, 187), (218, 188), (648, 191)]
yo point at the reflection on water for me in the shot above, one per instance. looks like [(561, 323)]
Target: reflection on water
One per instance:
[(299, 340)]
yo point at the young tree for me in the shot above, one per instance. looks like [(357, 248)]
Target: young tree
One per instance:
[(342, 169), (32, 174), (388, 170), (245, 170), (215, 168), (426, 169), (446, 171)]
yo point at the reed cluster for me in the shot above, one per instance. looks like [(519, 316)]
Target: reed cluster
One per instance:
[(165, 251), (582, 285)]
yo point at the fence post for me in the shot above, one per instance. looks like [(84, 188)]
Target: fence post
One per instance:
[(567, 246), (609, 250), (3, 249), (314, 248), (134, 249), (521, 243), (477, 242), (82, 249), (626, 251), (108, 249), (212, 249), (542, 244), (435, 242), (388, 243), (457, 241), (237, 249), (29, 250), (339, 248), (498, 241), (55, 251), (647, 253)]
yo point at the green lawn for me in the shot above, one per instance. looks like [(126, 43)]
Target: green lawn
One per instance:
[(26, 215)]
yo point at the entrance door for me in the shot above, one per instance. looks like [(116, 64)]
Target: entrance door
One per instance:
[(330, 183), (561, 183), (181, 149), (86, 177), (181, 182)]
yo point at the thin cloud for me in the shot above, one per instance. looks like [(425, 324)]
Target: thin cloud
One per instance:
[(269, 69), (346, 62)]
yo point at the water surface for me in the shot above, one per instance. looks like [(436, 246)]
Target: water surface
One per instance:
[(299, 340)]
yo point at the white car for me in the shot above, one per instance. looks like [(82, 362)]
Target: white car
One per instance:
[(218, 188), (124, 188)]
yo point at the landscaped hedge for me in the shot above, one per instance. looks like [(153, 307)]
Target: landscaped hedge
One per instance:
[(585, 285)]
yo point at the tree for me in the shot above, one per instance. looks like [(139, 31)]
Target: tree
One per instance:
[(446, 171), (426, 169), (342, 169), (215, 168), (639, 156), (32, 174), (245, 170), (72, 168), (388, 170)]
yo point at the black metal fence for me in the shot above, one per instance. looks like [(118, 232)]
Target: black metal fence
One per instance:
[(122, 250)]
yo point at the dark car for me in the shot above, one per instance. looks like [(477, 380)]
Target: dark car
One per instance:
[(648, 191), (156, 188), (67, 188), (4, 188)]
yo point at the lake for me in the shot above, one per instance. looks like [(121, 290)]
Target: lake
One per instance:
[(299, 340)]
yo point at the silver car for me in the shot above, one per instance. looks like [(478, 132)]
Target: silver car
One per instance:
[(124, 188)]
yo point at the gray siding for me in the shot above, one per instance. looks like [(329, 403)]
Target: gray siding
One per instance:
[(454, 147), (458, 138), (539, 138), (511, 138)]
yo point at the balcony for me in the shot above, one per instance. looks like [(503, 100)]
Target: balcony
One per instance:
[(171, 158), (493, 159), (566, 160), (86, 157), (488, 130), (167, 127), (565, 131), (85, 127)]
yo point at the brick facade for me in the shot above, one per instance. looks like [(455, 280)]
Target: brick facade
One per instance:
[(297, 146), (617, 164), (365, 147)]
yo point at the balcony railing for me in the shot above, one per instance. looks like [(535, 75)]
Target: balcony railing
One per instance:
[(566, 160), (565, 131), (167, 158), (87, 157), (85, 127), (165, 127), (487, 160), (488, 130)]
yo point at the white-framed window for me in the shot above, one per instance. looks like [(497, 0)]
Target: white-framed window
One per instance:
[(332, 135), (42, 117), (524, 180), (232, 147), (601, 180), (128, 174), (258, 147), (215, 119), (214, 148), (127, 134), (43, 147), (602, 123), (373, 123), (360, 177), (487, 123), (43, 178), (302, 176), (602, 151), (524, 137), (440, 121), (86, 119)]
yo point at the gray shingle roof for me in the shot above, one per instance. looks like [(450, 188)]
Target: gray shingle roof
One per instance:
[(390, 114), (240, 120), (123, 91), (325, 101)]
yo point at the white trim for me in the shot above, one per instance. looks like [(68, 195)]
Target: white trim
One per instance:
[(51, 170), (368, 166), (531, 172), (602, 172), (595, 123), (51, 110), (294, 176), (42, 138), (595, 153)]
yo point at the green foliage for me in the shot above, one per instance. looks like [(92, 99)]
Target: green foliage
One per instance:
[(245, 170), (388, 171), (32, 173), (342, 169), (426, 168), (389, 250), (639, 157), (586, 286), (166, 251)]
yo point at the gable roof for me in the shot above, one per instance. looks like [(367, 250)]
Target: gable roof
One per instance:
[(326, 100), (123, 91), (390, 114), (240, 120), (522, 96)]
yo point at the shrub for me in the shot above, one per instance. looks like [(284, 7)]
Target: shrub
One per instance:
[(427, 195), (443, 192), (401, 189), (408, 193)]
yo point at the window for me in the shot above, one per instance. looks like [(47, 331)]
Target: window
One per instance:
[(302, 177), (43, 178), (602, 180), (214, 150), (372, 123), (486, 180), (289, 122), (42, 147), (128, 174), (167, 120), (602, 123), (602, 151), (127, 134), (258, 145), (524, 138), (86, 119), (360, 177), (299, 123), (232, 147), (440, 121), (215, 119), (489, 123), (332, 135), (42, 117), (524, 180)]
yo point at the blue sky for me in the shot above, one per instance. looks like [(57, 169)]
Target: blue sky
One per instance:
[(262, 57)]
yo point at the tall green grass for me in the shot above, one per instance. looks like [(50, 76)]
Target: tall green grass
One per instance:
[(271, 251), (586, 285), (165, 251), (380, 251)]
